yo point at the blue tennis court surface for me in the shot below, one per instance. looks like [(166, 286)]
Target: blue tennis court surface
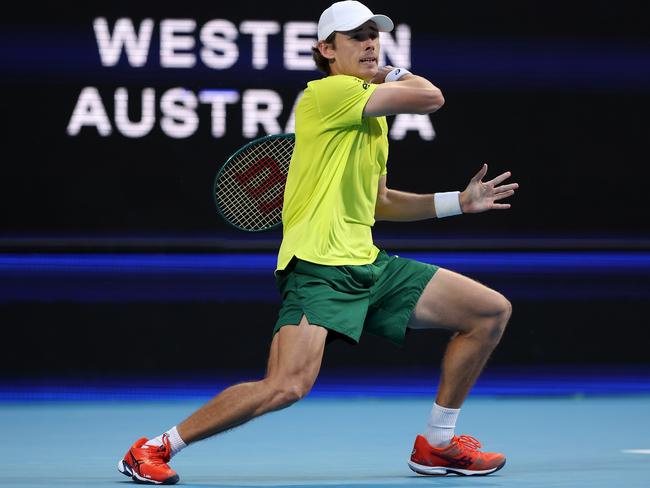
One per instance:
[(333, 440)]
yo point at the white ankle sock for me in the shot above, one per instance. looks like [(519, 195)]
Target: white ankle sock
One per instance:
[(441, 425), (175, 442)]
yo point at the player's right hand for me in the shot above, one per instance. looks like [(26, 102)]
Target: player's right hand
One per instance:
[(380, 77)]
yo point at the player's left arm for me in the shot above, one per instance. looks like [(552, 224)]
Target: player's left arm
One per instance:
[(479, 196)]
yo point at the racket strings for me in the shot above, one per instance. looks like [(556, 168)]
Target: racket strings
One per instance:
[(249, 190)]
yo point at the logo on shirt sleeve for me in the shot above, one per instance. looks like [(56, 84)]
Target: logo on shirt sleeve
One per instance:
[(365, 85)]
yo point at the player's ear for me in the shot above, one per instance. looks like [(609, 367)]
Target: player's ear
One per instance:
[(327, 49)]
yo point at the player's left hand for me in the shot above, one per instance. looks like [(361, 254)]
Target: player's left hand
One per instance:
[(480, 196)]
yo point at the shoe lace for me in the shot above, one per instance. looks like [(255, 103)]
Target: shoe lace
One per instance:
[(468, 443), (157, 456), (161, 454)]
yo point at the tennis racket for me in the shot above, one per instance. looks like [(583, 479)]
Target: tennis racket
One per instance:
[(249, 187)]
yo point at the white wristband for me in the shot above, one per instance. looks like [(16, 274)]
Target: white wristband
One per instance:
[(396, 74), (447, 204)]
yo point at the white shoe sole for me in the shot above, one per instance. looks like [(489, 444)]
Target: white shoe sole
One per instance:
[(444, 471), (126, 470)]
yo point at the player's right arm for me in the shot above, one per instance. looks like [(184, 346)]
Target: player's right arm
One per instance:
[(411, 94)]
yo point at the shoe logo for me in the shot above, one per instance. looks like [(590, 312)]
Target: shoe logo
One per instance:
[(413, 452), (463, 462), (135, 462)]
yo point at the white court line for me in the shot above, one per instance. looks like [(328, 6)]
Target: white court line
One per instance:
[(636, 451)]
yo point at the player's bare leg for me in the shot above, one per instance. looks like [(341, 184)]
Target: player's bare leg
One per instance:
[(294, 362), (478, 316)]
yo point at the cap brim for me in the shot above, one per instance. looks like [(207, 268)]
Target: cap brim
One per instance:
[(384, 24)]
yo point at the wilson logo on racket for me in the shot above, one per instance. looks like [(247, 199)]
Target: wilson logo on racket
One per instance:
[(249, 187), (256, 189)]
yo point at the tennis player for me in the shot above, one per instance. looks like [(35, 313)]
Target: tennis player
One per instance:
[(334, 282)]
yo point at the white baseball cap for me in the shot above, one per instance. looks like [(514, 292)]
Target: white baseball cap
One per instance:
[(347, 15)]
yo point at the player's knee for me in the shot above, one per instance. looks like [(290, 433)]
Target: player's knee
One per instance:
[(506, 310), (292, 390), (489, 324), (498, 319)]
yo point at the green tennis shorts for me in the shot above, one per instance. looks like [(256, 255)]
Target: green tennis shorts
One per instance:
[(377, 298)]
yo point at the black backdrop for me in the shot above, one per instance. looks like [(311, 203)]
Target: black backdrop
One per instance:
[(557, 92)]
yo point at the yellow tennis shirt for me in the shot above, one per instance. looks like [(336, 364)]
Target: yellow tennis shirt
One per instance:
[(331, 189)]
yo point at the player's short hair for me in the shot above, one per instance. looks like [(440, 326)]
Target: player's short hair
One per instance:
[(322, 63)]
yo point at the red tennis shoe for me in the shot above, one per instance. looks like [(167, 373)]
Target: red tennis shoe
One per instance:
[(148, 464), (461, 456)]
